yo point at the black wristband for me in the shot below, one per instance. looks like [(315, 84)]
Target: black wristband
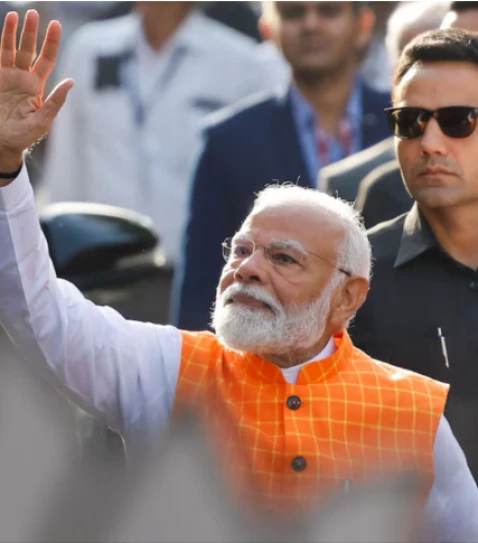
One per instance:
[(11, 175)]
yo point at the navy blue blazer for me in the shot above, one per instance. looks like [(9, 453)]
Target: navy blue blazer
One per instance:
[(247, 147)]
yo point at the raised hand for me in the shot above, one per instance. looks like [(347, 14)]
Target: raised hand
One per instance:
[(24, 114)]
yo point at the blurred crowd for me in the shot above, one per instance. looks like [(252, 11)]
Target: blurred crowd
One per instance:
[(183, 111)]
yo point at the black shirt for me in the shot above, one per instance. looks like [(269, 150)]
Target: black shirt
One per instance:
[(417, 289)]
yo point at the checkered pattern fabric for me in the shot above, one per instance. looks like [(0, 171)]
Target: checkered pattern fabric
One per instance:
[(357, 418)]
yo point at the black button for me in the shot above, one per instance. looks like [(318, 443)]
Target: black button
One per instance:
[(474, 285), (299, 463), (293, 402)]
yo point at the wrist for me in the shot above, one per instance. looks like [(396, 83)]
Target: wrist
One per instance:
[(10, 162)]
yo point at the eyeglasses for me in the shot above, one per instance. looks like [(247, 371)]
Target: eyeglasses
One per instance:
[(408, 123), (287, 256)]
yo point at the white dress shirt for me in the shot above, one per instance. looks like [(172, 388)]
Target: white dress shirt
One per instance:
[(126, 372), (134, 142)]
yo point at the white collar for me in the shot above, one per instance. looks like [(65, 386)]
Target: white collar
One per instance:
[(189, 35), (292, 374)]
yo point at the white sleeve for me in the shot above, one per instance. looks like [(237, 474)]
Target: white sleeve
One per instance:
[(123, 372), (452, 507)]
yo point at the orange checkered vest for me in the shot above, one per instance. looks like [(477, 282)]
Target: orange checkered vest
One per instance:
[(347, 419)]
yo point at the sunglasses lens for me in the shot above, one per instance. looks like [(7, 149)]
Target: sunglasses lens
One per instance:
[(457, 122), (407, 123)]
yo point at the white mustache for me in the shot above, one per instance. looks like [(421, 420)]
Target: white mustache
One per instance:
[(253, 291)]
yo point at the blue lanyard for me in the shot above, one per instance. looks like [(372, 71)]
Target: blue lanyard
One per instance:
[(130, 82)]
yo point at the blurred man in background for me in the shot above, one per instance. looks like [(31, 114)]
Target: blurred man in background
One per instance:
[(131, 131), (326, 113), (407, 21), (376, 63)]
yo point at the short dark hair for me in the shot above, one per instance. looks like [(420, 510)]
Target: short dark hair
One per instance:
[(463, 6), (444, 45)]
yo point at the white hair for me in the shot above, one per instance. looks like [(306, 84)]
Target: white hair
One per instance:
[(412, 17), (353, 253)]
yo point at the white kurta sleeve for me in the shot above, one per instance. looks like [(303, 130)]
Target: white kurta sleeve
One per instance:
[(123, 372), (452, 507)]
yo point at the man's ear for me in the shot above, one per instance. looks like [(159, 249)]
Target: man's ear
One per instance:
[(366, 22), (348, 299), (265, 28)]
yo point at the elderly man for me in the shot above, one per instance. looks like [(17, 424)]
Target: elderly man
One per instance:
[(296, 411)]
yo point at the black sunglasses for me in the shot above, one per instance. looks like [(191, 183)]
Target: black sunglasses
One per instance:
[(408, 123)]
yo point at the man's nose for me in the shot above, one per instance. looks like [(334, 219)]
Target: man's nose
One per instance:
[(312, 19), (253, 268), (433, 141)]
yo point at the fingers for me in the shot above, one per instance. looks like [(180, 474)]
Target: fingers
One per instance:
[(49, 52), (8, 43), (28, 41), (53, 103)]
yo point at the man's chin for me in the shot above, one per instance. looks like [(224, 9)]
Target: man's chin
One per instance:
[(244, 337), (438, 197), (312, 71)]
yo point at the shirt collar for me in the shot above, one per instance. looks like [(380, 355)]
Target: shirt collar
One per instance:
[(255, 369), (302, 110), (188, 36), (305, 115), (291, 374), (417, 237)]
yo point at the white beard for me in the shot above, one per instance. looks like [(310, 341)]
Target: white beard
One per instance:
[(246, 329)]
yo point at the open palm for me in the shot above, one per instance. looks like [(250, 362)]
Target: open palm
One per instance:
[(24, 114)]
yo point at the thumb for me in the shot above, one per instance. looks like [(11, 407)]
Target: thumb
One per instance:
[(54, 103)]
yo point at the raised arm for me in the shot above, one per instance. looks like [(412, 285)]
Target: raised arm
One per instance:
[(121, 371), (25, 116)]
